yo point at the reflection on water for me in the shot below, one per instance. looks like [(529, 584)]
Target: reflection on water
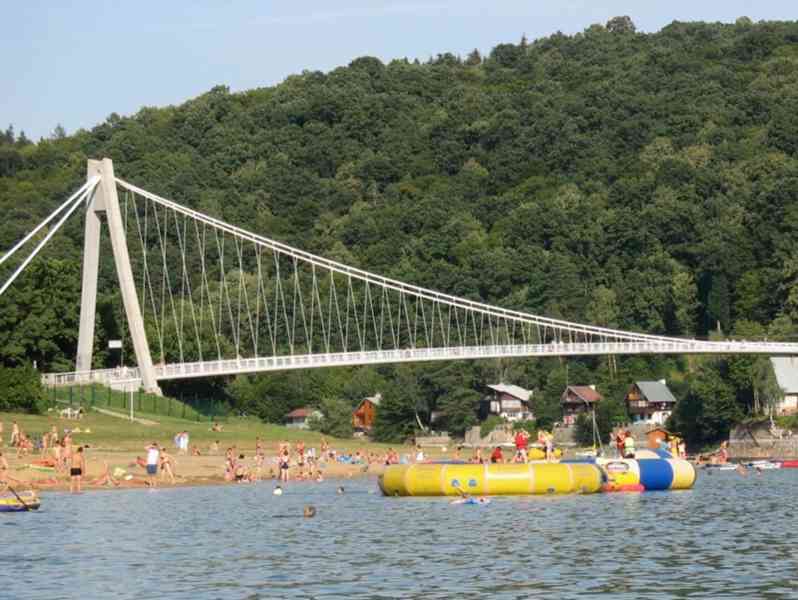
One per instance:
[(730, 537)]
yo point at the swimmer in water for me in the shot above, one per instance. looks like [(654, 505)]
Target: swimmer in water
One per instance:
[(340, 489), (309, 512)]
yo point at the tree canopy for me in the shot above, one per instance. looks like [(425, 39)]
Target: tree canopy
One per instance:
[(648, 181)]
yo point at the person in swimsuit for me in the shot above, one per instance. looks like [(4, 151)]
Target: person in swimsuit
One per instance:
[(153, 456), (78, 467), (241, 472), (3, 468), (496, 456), (285, 461), (167, 465)]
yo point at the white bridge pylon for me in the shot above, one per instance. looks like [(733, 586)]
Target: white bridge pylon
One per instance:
[(206, 298)]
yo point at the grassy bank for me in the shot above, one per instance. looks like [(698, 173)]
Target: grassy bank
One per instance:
[(117, 434)]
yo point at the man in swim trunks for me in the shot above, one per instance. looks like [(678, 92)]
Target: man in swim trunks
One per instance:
[(153, 456), (78, 467)]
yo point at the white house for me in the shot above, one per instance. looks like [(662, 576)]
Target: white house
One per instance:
[(509, 401), (786, 369), (300, 417)]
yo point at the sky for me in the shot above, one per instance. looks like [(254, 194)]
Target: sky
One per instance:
[(74, 62)]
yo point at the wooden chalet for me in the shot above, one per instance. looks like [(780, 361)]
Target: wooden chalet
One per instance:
[(576, 400), (650, 402), (365, 413), (511, 402)]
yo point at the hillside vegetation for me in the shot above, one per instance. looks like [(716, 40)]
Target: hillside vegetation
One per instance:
[(642, 181)]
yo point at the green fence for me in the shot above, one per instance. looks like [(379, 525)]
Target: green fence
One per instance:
[(89, 396)]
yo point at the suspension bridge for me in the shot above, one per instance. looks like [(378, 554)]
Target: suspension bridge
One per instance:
[(203, 298)]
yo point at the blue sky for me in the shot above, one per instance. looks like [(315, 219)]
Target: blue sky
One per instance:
[(74, 62)]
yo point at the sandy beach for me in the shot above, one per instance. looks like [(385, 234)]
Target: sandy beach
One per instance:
[(189, 471)]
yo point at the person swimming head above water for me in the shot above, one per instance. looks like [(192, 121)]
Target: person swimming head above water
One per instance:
[(309, 512)]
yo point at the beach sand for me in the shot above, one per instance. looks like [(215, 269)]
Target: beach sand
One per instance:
[(189, 470)]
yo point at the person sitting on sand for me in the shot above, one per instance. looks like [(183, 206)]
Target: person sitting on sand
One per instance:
[(105, 478), (241, 473), (214, 447), (216, 428), (195, 451)]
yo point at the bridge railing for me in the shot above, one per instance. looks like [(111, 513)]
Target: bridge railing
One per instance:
[(125, 375)]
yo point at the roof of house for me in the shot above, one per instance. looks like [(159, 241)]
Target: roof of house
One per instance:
[(300, 413), (513, 390), (655, 391), (375, 400), (584, 392), (786, 369)]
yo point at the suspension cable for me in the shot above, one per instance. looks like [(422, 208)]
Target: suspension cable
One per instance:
[(87, 189)]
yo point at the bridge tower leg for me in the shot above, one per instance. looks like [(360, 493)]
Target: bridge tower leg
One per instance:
[(105, 200)]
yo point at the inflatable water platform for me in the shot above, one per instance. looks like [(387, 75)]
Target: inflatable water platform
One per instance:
[(514, 479)]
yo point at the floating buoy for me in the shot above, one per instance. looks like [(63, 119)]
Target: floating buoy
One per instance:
[(278, 491)]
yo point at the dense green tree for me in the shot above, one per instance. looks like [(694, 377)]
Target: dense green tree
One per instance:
[(647, 181), (21, 389), (709, 410), (336, 420)]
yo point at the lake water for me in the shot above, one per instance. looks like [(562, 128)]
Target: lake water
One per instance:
[(729, 537)]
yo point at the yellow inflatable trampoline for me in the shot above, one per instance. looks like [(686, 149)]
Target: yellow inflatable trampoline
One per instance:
[(451, 479)]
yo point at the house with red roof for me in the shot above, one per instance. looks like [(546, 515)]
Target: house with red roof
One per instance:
[(576, 400), (299, 418)]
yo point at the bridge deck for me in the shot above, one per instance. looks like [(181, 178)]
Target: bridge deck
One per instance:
[(309, 361)]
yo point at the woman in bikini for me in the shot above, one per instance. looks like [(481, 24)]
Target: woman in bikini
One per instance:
[(285, 460), (167, 465), (76, 471)]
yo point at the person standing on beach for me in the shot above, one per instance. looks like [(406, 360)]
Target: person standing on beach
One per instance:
[(628, 445), (3, 469), (167, 465), (14, 434), (76, 471), (285, 463), (521, 443), (153, 456)]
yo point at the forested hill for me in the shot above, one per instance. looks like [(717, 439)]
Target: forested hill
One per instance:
[(645, 181)]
